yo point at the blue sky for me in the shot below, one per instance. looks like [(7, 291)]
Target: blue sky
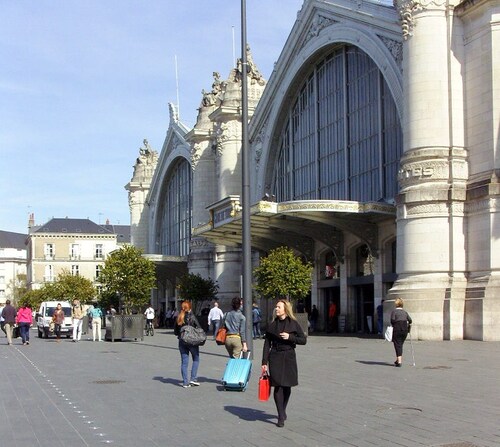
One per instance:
[(83, 82)]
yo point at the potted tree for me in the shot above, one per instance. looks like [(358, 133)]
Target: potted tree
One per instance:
[(282, 274), (130, 276), (197, 289)]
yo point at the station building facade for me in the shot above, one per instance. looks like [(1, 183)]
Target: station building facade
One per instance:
[(375, 154)]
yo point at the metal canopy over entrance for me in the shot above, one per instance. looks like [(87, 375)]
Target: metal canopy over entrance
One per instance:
[(298, 224), (169, 267)]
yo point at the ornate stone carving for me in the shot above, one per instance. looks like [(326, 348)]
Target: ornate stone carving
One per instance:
[(252, 70), (221, 136), (435, 209), (407, 9), (145, 164), (257, 144), (319, 23), (396, 49), (174, 116), (195, 155), (214, 96)]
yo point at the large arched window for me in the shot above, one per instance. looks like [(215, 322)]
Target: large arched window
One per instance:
[(175, 226), (342, 139)]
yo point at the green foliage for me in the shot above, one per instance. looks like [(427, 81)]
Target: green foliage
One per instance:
[(66, 287), (130, 276), (196, 288), (282, 274), (34, 298)]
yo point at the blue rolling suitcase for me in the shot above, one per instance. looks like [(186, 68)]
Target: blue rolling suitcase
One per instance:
[(237, 373)]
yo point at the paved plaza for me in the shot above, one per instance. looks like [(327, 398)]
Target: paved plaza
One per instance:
[(128, 394)]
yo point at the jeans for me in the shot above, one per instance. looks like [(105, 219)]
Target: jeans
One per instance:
[(24, 329), (185, 349), (256, 330), (77, 329), (216, 325)]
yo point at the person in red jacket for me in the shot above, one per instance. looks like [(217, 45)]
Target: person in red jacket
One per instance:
[(24, 320)]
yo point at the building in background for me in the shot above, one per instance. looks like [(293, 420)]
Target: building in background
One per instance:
[(13, 260), (77, 246), (374, 148)]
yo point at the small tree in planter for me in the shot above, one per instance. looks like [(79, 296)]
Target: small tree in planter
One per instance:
[(281, 274), (129, 275), (197, 289)]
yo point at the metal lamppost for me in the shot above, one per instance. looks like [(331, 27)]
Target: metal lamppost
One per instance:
[(245, 193)]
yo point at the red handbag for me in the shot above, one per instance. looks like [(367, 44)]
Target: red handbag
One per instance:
[(264, 387)]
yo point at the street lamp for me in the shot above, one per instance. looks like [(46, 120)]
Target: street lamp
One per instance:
[(245, 190)]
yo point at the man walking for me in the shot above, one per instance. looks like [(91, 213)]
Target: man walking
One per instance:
[(9, 316), (77, 315), (215, 317)]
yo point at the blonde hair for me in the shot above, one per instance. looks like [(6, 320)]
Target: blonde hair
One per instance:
[(288, 308), (185, 307), (398, 302)]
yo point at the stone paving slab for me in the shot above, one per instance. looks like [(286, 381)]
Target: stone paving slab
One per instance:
[(129, 394)]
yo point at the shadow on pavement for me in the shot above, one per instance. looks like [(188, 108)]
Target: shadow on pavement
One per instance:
[(250, 414), (366, 362)]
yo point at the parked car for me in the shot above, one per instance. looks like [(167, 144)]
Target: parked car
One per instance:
[(44, 317)]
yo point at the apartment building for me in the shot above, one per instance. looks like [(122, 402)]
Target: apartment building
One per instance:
[(78, 246), (13, 259)]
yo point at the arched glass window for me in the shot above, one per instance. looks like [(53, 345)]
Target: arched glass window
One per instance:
[(175, 226), (342, 139)]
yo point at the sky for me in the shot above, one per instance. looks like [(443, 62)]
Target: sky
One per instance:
[(84, 82)]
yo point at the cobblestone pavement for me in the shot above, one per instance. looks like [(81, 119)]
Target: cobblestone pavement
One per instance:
[(128, 394)]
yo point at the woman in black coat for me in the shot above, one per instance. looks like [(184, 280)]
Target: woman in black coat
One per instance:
[(401, 324), (278, 357)]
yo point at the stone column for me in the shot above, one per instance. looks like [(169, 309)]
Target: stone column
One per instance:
[(138, 189), (204, 186), (433, 172)]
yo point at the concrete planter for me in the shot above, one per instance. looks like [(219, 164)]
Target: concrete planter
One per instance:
[(120, 327)]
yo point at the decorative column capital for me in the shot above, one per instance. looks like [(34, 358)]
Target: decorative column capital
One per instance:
[(408, 8)]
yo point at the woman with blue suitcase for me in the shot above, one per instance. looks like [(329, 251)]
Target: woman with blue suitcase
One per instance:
[(278, 357)]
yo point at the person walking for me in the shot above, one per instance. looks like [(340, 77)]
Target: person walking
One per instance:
[(58, 319), (401, 324), (214, 318), (77, 315), (236, 340), (314, 318), (380, 317), (186, 317), (9, 320), (278, 356), (256, 319), (24, 320), (96, 313)]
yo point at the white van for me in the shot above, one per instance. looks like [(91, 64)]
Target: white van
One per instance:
[(44, 317)]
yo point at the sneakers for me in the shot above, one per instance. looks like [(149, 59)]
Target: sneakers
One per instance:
[(194, 383), (186, 386)]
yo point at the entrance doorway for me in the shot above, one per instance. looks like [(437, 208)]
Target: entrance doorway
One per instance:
[(331, 296), (364, 308)]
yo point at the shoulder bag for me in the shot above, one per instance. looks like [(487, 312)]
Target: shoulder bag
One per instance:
[(193, 336)]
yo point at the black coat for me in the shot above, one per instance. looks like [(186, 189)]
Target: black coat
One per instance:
[(279, 354)]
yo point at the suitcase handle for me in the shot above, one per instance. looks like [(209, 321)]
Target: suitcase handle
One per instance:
[(245, 355)]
